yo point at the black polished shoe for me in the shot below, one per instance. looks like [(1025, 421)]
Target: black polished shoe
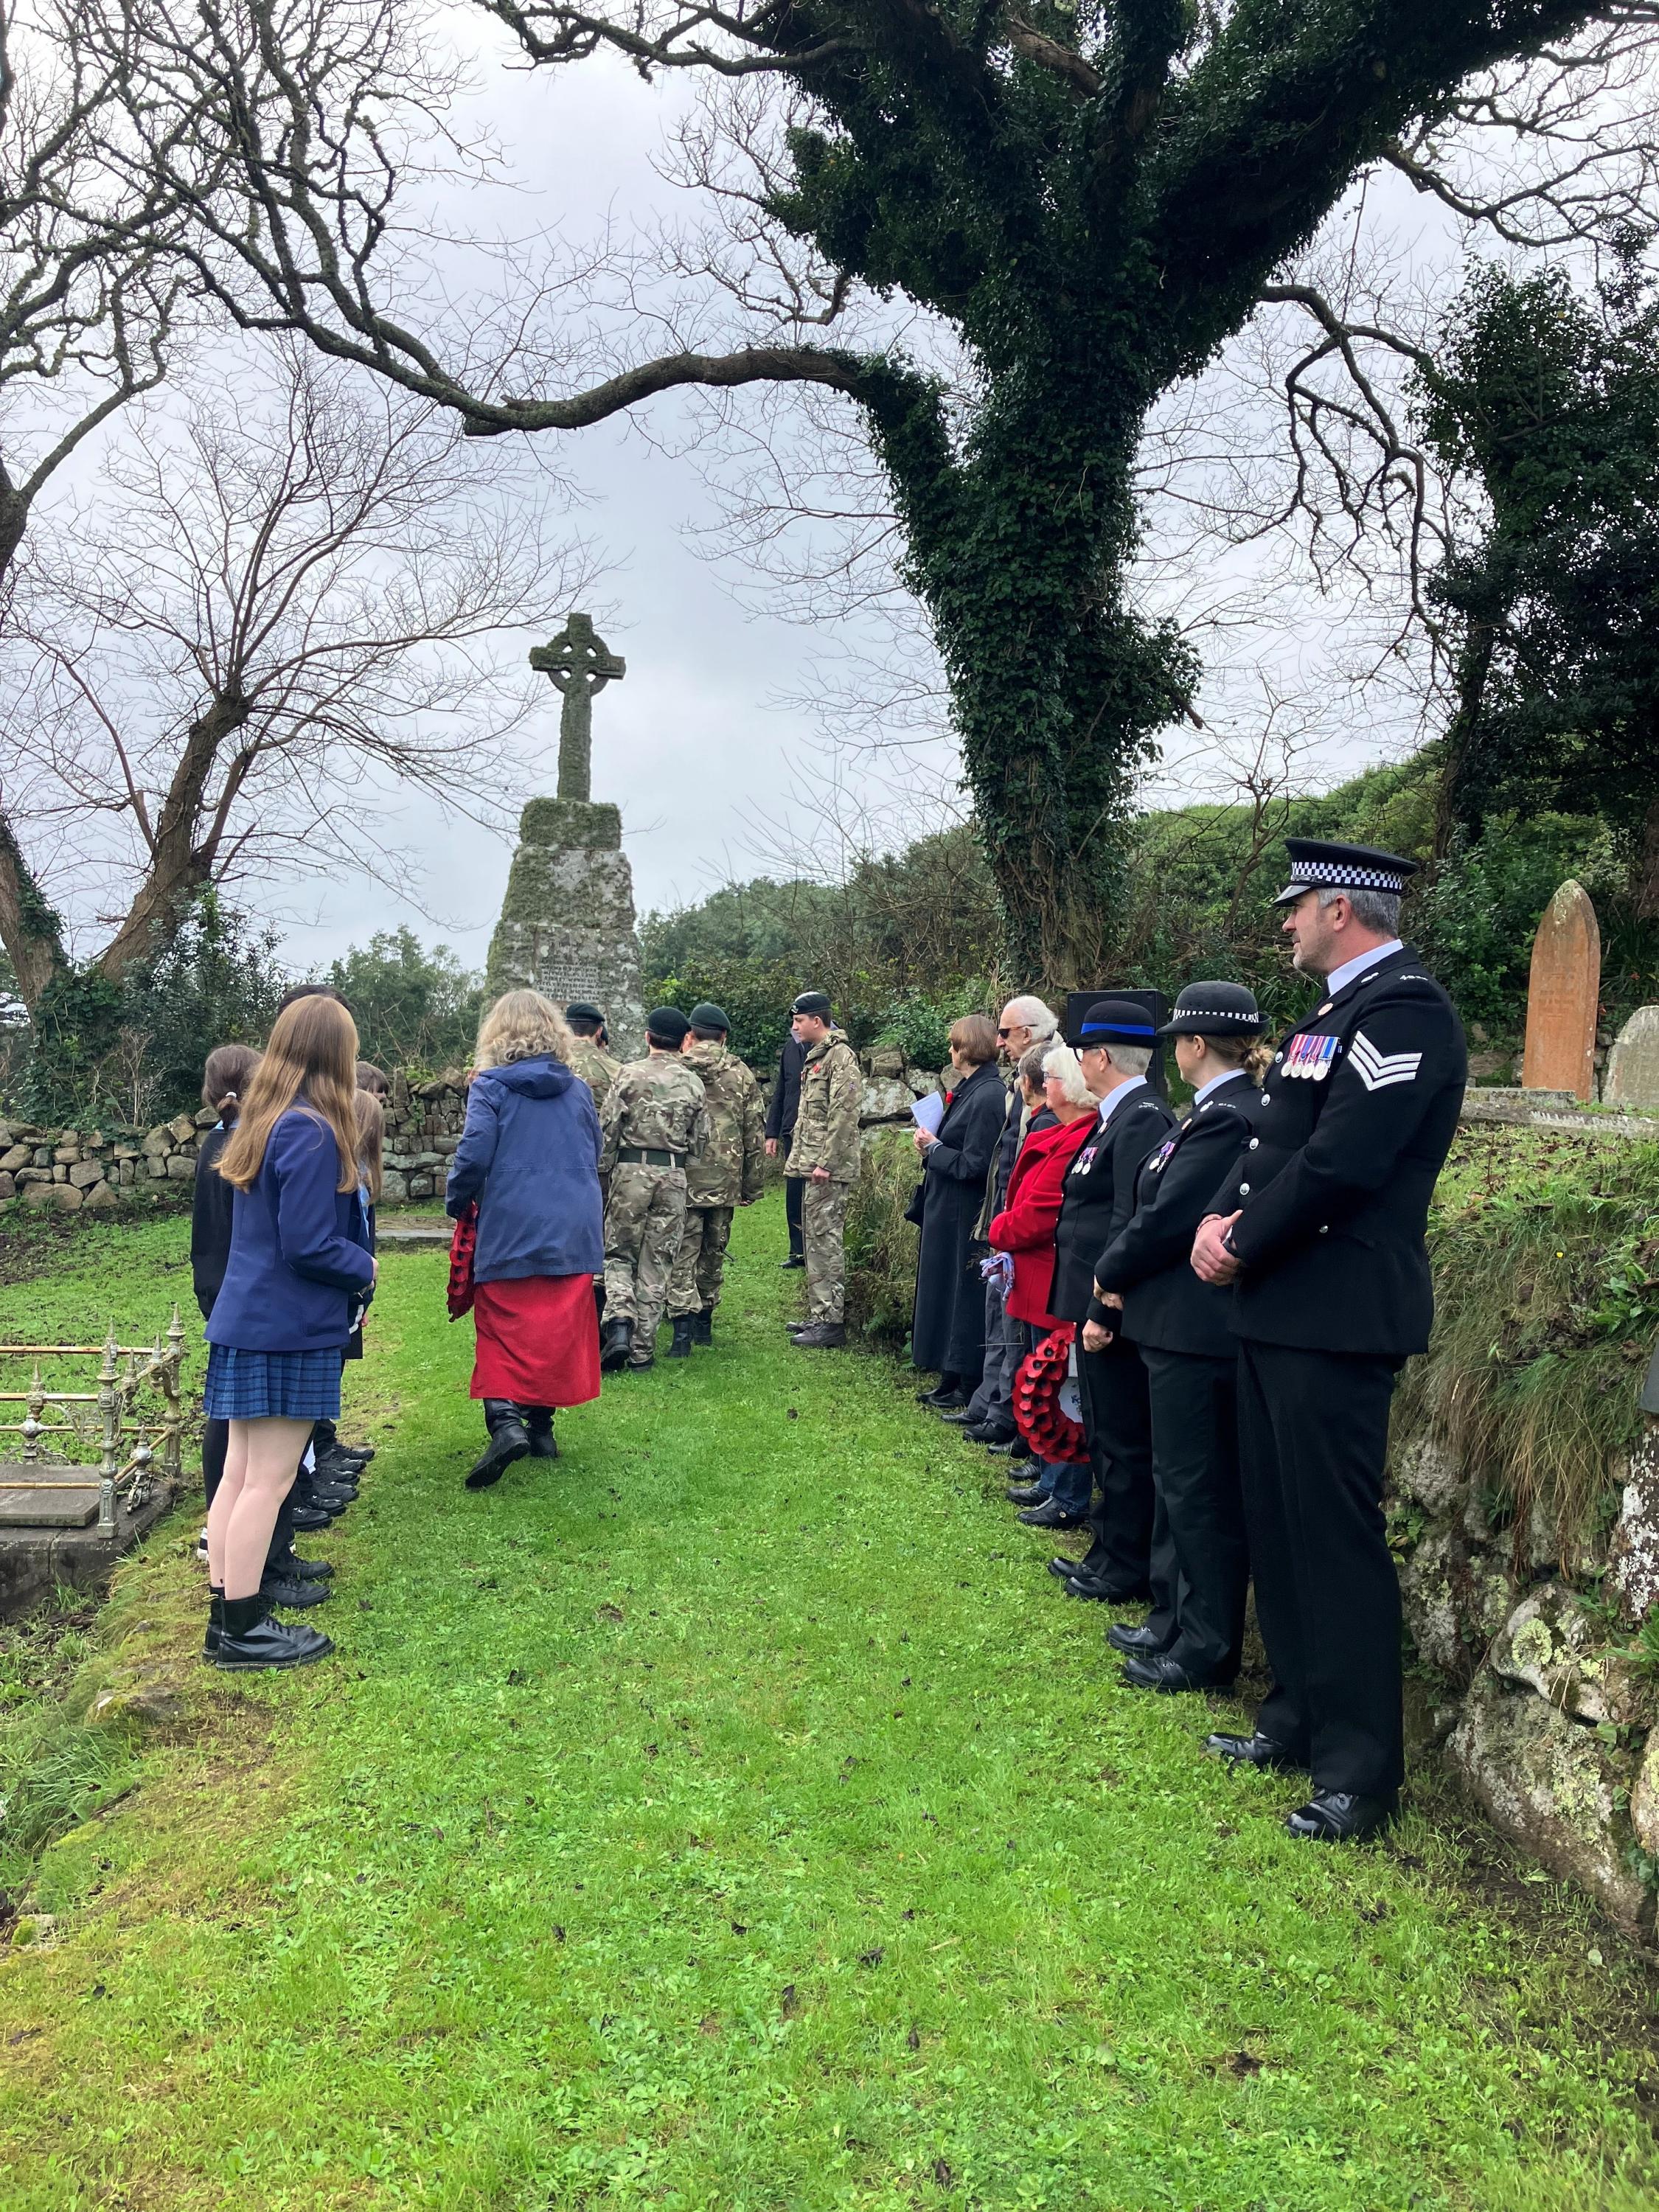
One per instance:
[(538, 1420), (1062, 1567), (277, 1589), (703, 1326), (680, 1348), (293, 1568), (1335, 1816), (989, 1433), (1143, 1643), (616, 1345), (1256, 1750), (1155, 1670), (959, 1417), (509, 1440), (1020, 1448), (795, 1260), (941, 1399), (1103, 1591), (310, 1518), (1050, 1515), (249, 1640), (1000, 1451), (1025, 1493)]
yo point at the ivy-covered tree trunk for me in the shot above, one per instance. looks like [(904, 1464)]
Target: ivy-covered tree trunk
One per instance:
[(1017, 549)]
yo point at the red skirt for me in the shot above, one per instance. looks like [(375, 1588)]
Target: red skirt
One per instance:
[(538, 1341)]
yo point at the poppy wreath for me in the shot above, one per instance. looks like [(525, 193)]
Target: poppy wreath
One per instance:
[(462, 1247), (1050, 1432)]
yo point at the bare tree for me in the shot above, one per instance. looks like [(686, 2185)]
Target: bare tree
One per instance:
[(269, 617)]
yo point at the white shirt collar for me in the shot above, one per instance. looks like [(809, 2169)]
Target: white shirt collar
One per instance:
[(1114, 1099), (1350, 970), (1205, 1089)]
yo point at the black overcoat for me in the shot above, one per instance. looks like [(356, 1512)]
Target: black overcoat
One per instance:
[(947, 1329)]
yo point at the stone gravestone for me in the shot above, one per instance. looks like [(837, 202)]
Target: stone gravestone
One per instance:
[(1633, 1072), (1562, 993), (567, 922)]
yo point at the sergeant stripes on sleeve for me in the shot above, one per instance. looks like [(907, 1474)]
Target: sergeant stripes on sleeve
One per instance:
[(1377, 1070)]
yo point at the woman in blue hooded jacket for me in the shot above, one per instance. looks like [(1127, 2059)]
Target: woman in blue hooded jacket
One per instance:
[(529, 1156)]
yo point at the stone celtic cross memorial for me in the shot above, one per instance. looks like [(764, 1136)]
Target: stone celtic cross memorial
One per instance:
[(1563, 991), (567, 923)]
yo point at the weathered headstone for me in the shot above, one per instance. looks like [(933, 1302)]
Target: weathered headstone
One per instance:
[(1632, 1070), (1562, 993), (566, 921)]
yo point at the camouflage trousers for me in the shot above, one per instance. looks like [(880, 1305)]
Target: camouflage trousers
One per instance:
[(643, 1225), (823, 1224), (700, 1267)]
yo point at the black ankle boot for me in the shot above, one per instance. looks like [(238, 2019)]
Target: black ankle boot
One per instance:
[(681, 1347), (251, 1639), (509, 1439), (538, 1420), (215, 1627), (293, 1568), (617, 1344), (703, 1326)]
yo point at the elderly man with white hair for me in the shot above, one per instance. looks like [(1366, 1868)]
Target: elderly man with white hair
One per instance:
[(988, 1417)]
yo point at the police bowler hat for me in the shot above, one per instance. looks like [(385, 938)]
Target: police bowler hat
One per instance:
[(1116, 1021), (666, 1025), (706, 1017), (1215, 1009), (812, 1002), (1317, 864)]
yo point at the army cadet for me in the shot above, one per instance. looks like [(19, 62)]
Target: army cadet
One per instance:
[(654, 1120), (1320, 1227), (1114, 1046), (823, 1155), (1178, 1325), (590, 1060), (731, 1173)]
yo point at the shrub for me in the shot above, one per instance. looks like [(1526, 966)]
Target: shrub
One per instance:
[(881, 1244)]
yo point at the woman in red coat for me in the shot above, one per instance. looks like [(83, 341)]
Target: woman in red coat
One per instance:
[(1025, 1229)]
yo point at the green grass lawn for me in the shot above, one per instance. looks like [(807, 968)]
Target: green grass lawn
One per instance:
[(736, 1815)]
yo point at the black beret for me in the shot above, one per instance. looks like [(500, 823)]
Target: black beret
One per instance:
[(1315, 864), (579, 1010), (1116, 1021), (1215, 1009), (706, 1017), (812, 1002), (667, 1024)]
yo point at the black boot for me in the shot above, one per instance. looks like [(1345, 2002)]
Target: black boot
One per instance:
[(681, 1347), (509, 1439), (250, 1638), (277, 1589), (703, 1326), (616, 1344), (215, 1627), (538, 1419), (293, 1568)]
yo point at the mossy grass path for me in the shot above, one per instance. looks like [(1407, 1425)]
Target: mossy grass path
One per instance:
[(734, 1814)]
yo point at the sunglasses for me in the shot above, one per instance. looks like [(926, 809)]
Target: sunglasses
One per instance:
[(1008, 1033)]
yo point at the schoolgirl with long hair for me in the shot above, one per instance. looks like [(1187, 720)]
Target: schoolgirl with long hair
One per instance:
[(299, 1270)]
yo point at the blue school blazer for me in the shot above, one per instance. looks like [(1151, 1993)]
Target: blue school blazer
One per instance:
[(298, 1257)]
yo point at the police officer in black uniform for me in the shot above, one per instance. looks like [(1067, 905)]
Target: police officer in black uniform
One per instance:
[(1114, 1045), (1321, 1228), (1179, 1326)]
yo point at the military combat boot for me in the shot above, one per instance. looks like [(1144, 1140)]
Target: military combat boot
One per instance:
[(509, 1439), (538, 1419), (703, 1326), (617, 1344), (681, 1347)]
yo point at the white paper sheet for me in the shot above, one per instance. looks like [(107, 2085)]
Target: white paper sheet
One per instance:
[(928, 1113)]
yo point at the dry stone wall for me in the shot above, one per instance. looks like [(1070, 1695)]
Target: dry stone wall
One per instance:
[(68, 1171)]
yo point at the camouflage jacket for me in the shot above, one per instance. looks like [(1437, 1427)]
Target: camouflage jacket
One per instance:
[(732, 1167), (827, 1126), (658, 1103), (595, 1066)]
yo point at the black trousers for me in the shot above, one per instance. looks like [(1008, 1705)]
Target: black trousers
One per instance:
[(1313, 1437), (793, 1188), (1117, 1423), (1194, 1403)]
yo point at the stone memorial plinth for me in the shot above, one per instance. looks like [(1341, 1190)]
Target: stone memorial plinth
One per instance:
[(1632, 1070), (1562, 993), (567, 923)]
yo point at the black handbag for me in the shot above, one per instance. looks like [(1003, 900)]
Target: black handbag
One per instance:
[(913, 1211)]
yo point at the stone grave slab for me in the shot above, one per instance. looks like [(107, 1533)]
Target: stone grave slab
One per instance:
[(1562, 994), (37, 1497), (1632, 1070)]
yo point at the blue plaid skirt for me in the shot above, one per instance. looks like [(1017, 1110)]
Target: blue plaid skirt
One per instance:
[(252, 1386)]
